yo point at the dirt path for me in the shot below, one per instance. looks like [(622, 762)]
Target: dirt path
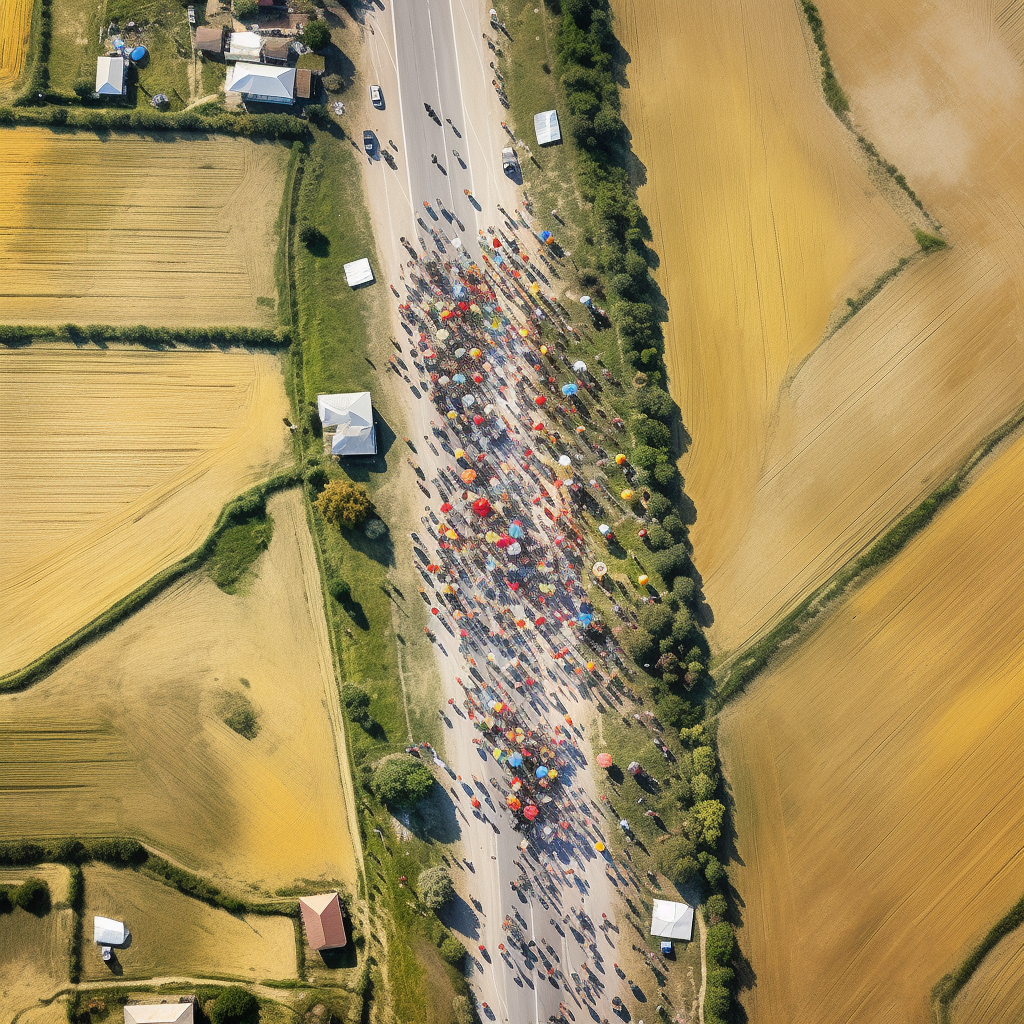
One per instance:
[(703, 931)]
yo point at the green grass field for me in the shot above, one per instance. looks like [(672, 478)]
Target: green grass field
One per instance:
[(75, 43)]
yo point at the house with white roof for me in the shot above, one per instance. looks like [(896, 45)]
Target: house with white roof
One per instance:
[(111, 79), (262, 83)]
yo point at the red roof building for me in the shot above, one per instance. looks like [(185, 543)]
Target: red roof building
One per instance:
[(321, 915)]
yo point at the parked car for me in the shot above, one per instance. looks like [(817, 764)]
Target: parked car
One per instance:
[(376, 97), (369, 142), (510, 162)]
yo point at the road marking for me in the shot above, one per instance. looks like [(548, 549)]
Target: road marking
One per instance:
[(401, 118), (437, 80)]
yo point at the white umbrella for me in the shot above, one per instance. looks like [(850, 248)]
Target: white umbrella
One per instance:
[(579, 366)]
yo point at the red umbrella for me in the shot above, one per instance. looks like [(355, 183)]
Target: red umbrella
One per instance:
[(496, 244), (530, 812), (475, 802), (604, 760), (539, 400), (482, 507), (478, 419), (447, 507)]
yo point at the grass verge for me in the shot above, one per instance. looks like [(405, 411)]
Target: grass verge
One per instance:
[(236, 551)]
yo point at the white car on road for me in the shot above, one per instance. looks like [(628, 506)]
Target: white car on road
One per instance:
[(376, 97)]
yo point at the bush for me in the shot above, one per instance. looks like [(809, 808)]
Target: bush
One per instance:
[(318, 114), (6, 906), (32, 895), (401, 780), (317, 478), (929, 243), (656, 619), (706, 819), (684, 590), (702, 786), (640, 646), (452, 951), (311, 236), (333, 83), (235, 1006), (435, 885), (675, 711), (340, 590), (357, 704), (659, 506), (714, 872), (704, 760), (245, 9), (719, 945), (715, 906), (121, 850), (375, 529), (316, 35), (344, 504)]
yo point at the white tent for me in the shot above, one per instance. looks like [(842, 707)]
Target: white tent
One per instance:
[(262, 82), (672, 920), (110, 76), (352, 415), (244, 46), (160, 1013), (358, 272), (107, 932), (546, 127)]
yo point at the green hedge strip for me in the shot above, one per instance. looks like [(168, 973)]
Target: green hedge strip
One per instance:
[(194, 337)]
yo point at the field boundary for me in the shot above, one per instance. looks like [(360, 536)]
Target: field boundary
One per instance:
[(160, 338), (950, 985), (744, 666), (236, 510)]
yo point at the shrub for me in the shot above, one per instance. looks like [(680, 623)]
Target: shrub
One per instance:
[(318, 114), (357, 704), (675, 711), (719, 945), (704, 760), (640, 646), (235, 1006), (435, 885), (714, 872), (929, 243), (311, 236), (316, 35), (462, 1010), (245, 9), (656, 619), (401, 780), (340, 590), (120, 850), (375, 529), (333, 83), (240, 716), (32, 895), (715, 906), (706, 818), (668, 564), (658, 537), (344, 504), (452, 951), (703, 786), (6, 906)]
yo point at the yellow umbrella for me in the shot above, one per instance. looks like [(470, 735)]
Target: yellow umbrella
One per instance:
[(627, 495), (644, 580), (599, 846), (452, 415), (459, 452), (490, 536)]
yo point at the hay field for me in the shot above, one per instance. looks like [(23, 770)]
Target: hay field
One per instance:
[(764, 222), (174, 935), (126, 735), (877, 775), (120, 458), (33, 957), (129, 229), (996, 990), (15, 26)]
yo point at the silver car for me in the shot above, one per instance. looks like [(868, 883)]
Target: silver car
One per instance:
[(376, 97)]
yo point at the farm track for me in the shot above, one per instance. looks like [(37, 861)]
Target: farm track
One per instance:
[(150, 229)]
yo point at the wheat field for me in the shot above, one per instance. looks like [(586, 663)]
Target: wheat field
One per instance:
[(135, 229), (120, 458), (15, 25), (126, 736), (996, 989), (877, 777)]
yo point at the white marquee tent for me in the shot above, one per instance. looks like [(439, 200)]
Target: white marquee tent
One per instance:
[(352, 416), (110, 76), (546, 126), (358, 272), (107, 932), (244, 46), (672, 920), (160, 1013)]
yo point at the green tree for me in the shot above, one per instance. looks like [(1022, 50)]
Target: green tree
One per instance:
[(401, 780), (316, 35), (706, 818), (235, 1005), (640, 646), (245, 9), (715, 907), (656, 619), (344, 504), (435, 885), (452, 951), (32, 895), (703, 786)]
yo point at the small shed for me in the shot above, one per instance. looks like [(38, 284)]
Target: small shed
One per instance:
[(244, 46), (352, 417), (160, 1013), (546, 127), (107, 932), (321, 915), (210, 39), (303, 84), (277, 50), (358, 272), (670, 920), (262, 83), (110, 76)]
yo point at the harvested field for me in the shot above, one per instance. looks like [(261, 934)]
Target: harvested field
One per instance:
[(132, 229), (33, 956), (765, 221), (138, 714), (877, 777), (996, 990), (54, 875), (15, 26), (121, 458), (174, 935)]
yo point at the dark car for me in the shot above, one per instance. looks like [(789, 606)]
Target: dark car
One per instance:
[(369, 142)]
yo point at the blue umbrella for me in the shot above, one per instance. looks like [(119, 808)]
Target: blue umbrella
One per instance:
[(569, 389), (545, 235), (515, 530), (459, 378), (516, 760), (586, 618), (542, 772)]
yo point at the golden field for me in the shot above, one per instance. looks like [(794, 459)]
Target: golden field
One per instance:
[(877, 778), (766, 219), (15, 25), (120, 458), (134, 229), (996, 989), (33, 954), (125, 737), (174, 935)]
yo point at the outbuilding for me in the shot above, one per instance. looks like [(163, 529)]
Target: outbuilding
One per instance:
[(352, 417), (670, 920), (321, 915), (262, 83), (358, 272), (244, 46), (110, 76), (210, 39), (277, 50), (108, 932), (546, 127), (160, 1013)]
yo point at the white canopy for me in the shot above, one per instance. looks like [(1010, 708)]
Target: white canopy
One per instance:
[(261, 81), (546, 126), (672, 920), (358, 272), (107, 932), (160, 1013), (243, 46), (110, 76), (352, 415)]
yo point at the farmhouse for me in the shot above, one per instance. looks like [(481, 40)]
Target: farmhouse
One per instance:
[(110, 76), (322, 918), (352, 417), (262, 83), (244, 46), (210, 39), (160, 1013)]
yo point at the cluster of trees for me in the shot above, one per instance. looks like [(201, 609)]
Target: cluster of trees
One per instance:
[(32, 895)]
